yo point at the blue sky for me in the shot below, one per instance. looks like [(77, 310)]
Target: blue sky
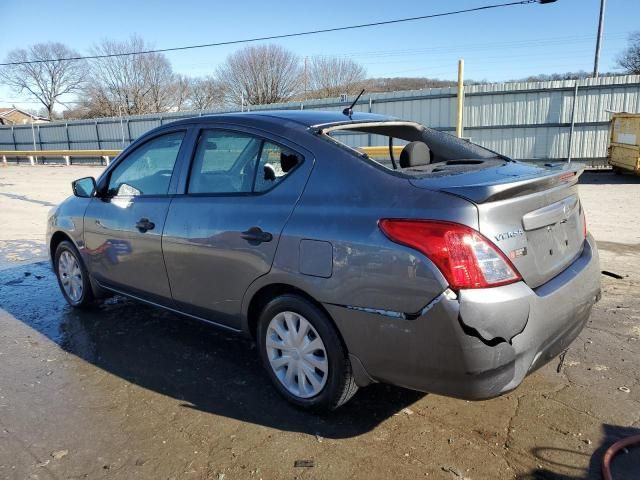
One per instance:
[(497, 45)]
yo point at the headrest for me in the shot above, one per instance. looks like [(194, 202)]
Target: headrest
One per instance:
[(269, 172), (287, 162), (415, 154)]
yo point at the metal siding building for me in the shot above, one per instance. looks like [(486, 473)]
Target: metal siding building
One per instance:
[(523, 120)]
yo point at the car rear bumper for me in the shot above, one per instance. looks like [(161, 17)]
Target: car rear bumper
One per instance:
[(478, 344)]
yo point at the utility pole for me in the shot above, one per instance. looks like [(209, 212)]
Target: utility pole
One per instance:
[(121, 124), (33, 135), (305, 79), (460, 109), (599, 39)]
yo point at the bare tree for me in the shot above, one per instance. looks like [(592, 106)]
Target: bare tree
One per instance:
[(48, 80), (629, 60), (141, 83), (332, 76), (160, 81), (206, 93), (180, 92), (259, 75)]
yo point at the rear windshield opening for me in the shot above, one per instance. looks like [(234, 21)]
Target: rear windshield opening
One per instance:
[(411, 148)]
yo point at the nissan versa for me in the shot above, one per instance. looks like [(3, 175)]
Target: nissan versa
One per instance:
[(427, 262)]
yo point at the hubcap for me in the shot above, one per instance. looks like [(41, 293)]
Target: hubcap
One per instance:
[(297, 354), (70, 276)]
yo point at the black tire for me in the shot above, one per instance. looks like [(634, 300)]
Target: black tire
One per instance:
[(340, 384), (85, 299)]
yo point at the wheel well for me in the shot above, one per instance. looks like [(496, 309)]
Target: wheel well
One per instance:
[(56, 239), (269, 292)]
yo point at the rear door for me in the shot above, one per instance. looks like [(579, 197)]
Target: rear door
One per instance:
[(222, 232), (123, 225)]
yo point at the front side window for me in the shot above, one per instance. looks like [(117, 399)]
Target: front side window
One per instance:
[(224, 162), (276, 162), (148, 169)]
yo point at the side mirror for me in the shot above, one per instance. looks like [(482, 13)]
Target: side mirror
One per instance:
[(84, 187)]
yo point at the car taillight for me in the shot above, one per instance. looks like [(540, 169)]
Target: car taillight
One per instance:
[(466, 258), (584, 222)]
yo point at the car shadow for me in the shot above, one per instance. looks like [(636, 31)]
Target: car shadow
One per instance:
[(206, 369), (24, 198), (607, 177), (625, 466)]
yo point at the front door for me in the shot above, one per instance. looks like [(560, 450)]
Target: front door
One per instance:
[(123, 225), (222, 233)]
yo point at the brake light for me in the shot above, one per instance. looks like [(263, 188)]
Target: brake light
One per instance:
[(584, 222), (466, 258)]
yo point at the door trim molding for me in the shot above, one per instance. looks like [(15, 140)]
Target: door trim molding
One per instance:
[(165, 307)]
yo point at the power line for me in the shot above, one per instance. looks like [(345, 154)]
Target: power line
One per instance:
[(448, 49), (286, 35), (547, 41), (567, 54), (476, 45)]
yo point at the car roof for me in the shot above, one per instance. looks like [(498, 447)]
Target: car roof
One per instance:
[(305, 118)]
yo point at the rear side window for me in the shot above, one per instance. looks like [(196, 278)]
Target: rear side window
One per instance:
[(224, 162), (276, 162), (148, 169)]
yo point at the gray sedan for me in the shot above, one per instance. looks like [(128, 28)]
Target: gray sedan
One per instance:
[(353, 248)]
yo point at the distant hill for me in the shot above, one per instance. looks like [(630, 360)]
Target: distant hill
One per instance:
[(394, 84), (404, 83)]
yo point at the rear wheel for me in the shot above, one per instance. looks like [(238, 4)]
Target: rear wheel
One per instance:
[(73, 277), (303, 354)]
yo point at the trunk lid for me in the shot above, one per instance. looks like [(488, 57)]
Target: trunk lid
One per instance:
[(532, 214)]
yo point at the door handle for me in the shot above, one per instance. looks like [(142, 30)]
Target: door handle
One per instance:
[(256, 236), (145, 224)]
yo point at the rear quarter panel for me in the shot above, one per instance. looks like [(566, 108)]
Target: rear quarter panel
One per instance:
[(341, 205)]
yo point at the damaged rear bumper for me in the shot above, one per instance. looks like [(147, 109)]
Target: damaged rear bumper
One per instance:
[(478, 344)]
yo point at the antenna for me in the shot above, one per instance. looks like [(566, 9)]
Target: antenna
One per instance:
[(349, 110)]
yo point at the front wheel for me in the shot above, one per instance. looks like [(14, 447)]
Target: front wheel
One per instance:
[(304, 355), (73, 277)]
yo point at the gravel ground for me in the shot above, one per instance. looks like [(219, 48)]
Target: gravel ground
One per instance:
[(127, 391)]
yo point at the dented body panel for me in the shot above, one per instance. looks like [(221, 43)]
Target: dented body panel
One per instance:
[(436, 353)]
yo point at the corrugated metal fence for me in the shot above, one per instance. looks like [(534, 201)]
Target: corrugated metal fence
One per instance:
[(523, 120)]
